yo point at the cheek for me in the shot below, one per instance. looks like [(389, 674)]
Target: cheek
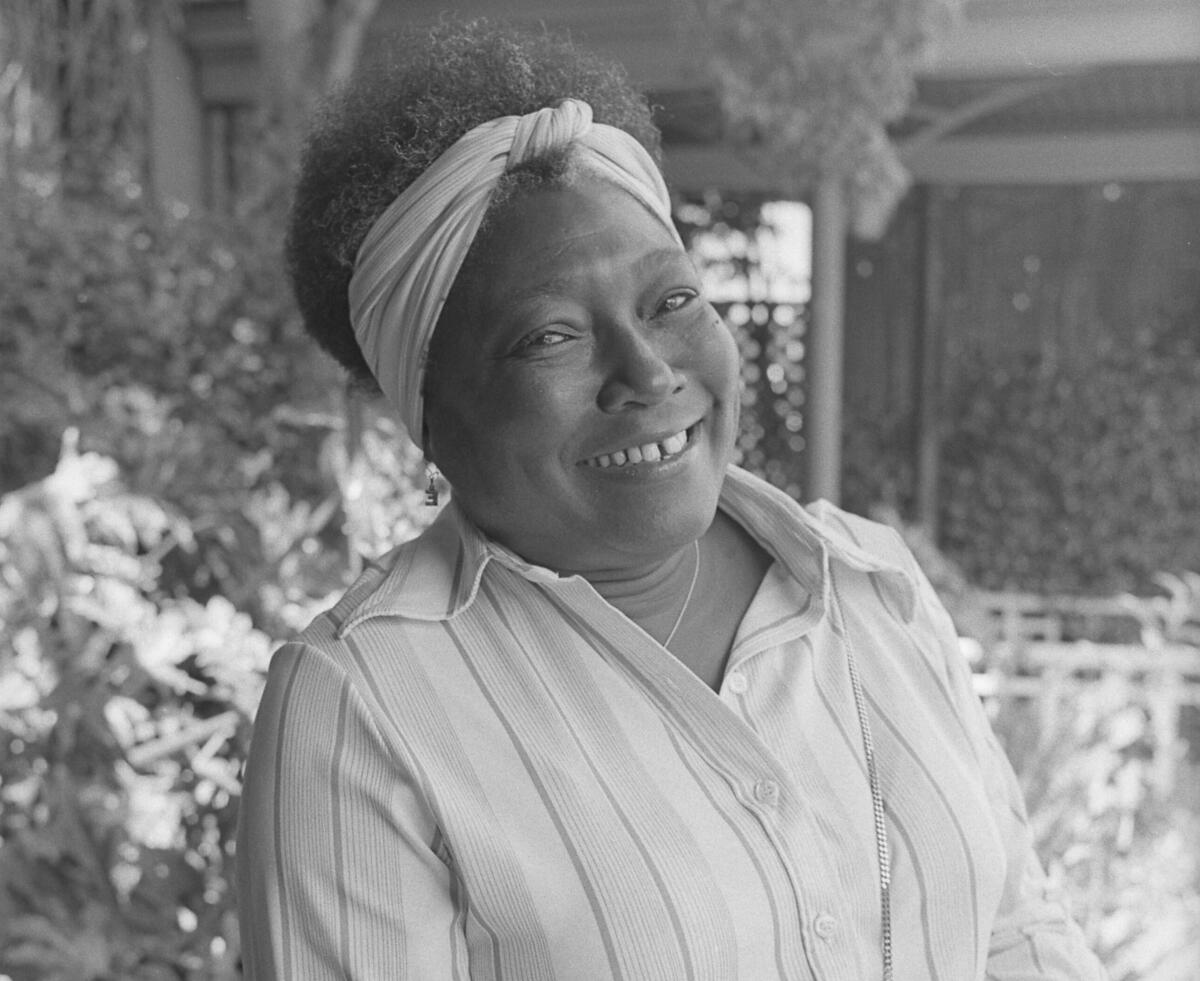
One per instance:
[(454, 414), (527, 398), (497, 425), (722, 362), (721, 365)]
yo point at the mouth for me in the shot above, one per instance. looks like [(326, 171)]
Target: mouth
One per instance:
[(658, 451)]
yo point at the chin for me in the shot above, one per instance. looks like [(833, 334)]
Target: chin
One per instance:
[(656, 531)]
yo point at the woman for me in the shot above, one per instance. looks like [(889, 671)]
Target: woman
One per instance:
[(623, 711)]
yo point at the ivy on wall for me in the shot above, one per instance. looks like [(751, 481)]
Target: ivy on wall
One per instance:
[(1082, 478)]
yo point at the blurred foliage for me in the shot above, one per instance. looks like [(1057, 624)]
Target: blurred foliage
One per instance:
[(125, 714), (1077, 479), (812, 86), (877, 462), (1060, 477), (170, 344), (183, 488), (72, 93), (1120, 847)]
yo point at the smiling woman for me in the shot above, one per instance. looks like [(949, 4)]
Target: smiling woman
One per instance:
[(579, 367), (623, 711)]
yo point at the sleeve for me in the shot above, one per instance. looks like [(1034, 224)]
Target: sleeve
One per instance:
[(1033, 938), (337, 868)]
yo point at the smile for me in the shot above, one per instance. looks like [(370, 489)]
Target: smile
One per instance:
[(655, 452)]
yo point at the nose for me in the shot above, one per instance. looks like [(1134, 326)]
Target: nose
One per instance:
[(636, 373)]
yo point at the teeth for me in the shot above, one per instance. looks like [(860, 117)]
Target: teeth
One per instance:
[(673, 444), (648, 453)]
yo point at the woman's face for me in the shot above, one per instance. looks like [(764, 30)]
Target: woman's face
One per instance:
[(583, 397)]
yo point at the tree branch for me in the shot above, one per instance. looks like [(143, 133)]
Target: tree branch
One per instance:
[(355, 17), (1001, 97)]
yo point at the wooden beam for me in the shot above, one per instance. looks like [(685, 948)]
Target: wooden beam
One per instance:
[(176, 118), (941, 125), (1063, 158), (927, 422), (826, 348), (1043, 35)]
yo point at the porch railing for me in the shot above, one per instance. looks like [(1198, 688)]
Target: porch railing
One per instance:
[(1045, 648)]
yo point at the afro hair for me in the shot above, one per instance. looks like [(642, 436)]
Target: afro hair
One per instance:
[(376, 135)]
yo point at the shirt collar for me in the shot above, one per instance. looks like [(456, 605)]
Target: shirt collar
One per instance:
[(806, 541), (436, 575)]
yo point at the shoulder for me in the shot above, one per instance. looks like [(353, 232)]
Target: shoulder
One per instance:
[(320, 674), (766, 510), (847, 529), (322, 654), (428, 579), (872, 548), (323, 628)]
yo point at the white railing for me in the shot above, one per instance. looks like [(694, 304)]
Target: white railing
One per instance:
[(1041, 648)]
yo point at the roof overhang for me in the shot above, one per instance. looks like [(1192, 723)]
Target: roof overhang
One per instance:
[(1006, 37), (1018, 91)]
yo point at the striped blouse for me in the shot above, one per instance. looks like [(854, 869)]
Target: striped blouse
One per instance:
[(474, 768)]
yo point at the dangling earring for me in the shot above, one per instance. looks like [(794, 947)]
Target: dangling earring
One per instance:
[(431, 492)]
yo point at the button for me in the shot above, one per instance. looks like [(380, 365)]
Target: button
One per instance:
[(824, 925), (737, 683), (766, 792)]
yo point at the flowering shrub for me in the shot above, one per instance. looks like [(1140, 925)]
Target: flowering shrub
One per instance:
[(1120, 847), (126, 714), (180, 493)]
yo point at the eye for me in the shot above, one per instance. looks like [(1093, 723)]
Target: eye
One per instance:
[(677, 300), (541, 339)]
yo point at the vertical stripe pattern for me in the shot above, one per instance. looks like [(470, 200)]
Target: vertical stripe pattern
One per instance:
[(472, 768)]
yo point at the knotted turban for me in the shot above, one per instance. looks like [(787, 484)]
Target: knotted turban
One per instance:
[(412, 253)]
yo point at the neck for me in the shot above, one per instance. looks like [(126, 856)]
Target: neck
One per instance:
[(632, 578), (651, 595)]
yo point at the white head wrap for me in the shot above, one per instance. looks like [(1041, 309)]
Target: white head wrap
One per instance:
[(412, 254)]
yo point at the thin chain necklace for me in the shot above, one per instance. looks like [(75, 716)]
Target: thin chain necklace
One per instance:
[(687, 599), (882, 851)]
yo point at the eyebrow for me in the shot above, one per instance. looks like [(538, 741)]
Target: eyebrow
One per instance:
[(559, 284)]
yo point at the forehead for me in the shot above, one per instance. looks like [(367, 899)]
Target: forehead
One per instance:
[(550, 238)]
